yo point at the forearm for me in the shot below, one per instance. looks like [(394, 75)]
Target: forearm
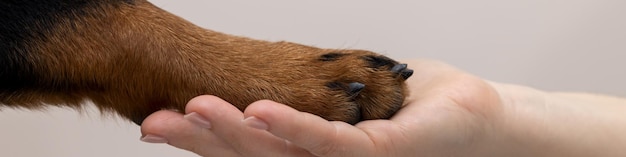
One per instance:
[(593, 125), (563, 124)]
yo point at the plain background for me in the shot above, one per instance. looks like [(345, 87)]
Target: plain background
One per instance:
[(564, 45)]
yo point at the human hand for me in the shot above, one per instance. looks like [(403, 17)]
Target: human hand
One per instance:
[(448, 113)]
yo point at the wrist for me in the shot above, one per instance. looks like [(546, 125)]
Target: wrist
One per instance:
[(538, 123), (517, 130)]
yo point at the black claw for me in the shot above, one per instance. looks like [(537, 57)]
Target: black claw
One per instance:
[(406, 73), (355, 88), (398, 68)]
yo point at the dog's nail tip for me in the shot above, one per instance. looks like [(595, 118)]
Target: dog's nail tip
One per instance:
[(406, 73), (398, 68), (355, 88)]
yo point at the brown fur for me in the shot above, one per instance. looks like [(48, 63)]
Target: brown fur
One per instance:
[(137, 59)]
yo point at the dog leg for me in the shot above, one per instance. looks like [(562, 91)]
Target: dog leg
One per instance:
[(133, 58)]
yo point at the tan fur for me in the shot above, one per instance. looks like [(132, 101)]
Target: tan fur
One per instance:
[(137, 59)]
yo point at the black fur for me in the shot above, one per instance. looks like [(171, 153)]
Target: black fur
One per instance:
[(22, 21), (331, 56), (379, 61)]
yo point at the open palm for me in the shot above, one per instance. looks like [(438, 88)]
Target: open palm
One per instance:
[(448, 113)]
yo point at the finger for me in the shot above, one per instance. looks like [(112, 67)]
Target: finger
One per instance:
[(227, 122), (317, 135), (182, 134)]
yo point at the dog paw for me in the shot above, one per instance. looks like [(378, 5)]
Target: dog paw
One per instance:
[(361, 85), (338, 85)]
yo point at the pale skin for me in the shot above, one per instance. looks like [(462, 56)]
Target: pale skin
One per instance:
[(448, 113)]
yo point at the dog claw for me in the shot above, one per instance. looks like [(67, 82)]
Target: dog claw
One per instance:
[(398, 68), (402, 70), (406, 73), (355, 88)]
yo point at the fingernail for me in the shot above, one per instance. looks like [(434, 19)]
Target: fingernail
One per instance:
[(198, 120), (255, 123), (153, 139)]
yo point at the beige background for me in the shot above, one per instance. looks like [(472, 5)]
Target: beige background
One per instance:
[(573, 45)]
